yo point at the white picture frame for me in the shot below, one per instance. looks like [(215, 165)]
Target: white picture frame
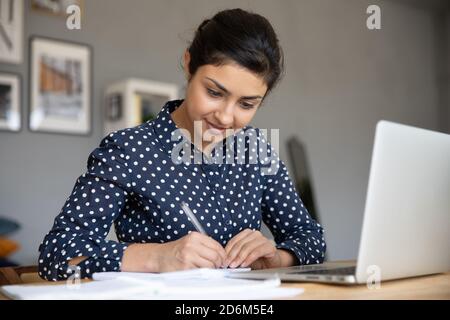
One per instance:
[(133, 101), (60, 86), (11, 31), (10, 107)]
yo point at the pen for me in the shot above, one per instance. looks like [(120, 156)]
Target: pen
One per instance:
[(192, 217)]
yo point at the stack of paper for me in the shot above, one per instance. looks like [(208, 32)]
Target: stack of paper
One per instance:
[(204, 284), (200, 273), (96, 290)]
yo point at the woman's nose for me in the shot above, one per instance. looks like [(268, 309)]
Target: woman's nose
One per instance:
[(225, 116)]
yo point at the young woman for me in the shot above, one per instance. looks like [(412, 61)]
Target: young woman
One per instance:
[(135, 180)]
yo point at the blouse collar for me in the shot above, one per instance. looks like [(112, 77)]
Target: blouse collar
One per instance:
[(169, 136)]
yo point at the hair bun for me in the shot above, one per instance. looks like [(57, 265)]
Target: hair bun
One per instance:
[(203, 24)]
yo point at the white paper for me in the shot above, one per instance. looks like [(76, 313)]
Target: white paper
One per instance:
[(204, 284), (200, 273), (99, 290)]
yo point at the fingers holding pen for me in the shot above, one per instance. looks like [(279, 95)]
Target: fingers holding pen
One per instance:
[(211, 249)]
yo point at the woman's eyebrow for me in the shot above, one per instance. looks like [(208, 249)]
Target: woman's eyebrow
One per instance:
[(221, 87)]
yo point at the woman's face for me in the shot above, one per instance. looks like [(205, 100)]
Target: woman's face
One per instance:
[(220, 98)]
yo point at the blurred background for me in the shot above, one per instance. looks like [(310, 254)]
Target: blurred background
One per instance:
[(341, 78)]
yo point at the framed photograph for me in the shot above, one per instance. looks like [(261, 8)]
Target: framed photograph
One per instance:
[(114, 107), (10, 118), (54, 7), (60, 86), (11, 31)]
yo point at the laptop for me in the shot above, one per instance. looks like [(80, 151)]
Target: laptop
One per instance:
[(406, 226)]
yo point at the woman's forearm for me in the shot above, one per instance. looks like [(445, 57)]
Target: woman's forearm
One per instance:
[(138, 257), (77, 260), (141, 257)]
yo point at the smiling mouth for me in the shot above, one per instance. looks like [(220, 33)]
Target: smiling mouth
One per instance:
[(213, 128)]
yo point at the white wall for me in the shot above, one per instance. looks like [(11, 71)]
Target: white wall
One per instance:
[(341, 78)]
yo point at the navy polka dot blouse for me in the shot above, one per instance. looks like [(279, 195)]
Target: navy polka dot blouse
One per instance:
[(136, 181)]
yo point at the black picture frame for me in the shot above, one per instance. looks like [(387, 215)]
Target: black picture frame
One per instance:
[(11, 120)]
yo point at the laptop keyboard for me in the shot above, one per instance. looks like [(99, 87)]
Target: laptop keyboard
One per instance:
[(337, 271)]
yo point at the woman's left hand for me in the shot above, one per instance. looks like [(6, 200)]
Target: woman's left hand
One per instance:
[(251, 248)]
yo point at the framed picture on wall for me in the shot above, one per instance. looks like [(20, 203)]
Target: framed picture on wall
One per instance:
[(10, 115), (54, 7), (133, 101), (60, 86), (11, 31)]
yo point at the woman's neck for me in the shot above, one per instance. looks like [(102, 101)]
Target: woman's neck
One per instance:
[(182, 121)]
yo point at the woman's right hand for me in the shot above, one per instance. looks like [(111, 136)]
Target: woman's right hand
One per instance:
[(194, 250)]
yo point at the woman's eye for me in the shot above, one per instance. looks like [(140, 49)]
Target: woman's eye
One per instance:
[(247, 106), (214, 93)]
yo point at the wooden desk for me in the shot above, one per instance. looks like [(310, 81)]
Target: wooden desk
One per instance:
[(427, 287)]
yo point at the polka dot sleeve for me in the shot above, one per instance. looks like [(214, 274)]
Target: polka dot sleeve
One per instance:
[(82, 225), (287, 218)]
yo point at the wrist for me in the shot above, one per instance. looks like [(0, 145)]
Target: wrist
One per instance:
[(140, 257), (286, 258)]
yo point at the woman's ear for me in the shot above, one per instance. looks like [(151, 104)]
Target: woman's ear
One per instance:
[(187, 59)]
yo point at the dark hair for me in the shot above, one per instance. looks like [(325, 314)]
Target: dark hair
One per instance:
[(242, 37)]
